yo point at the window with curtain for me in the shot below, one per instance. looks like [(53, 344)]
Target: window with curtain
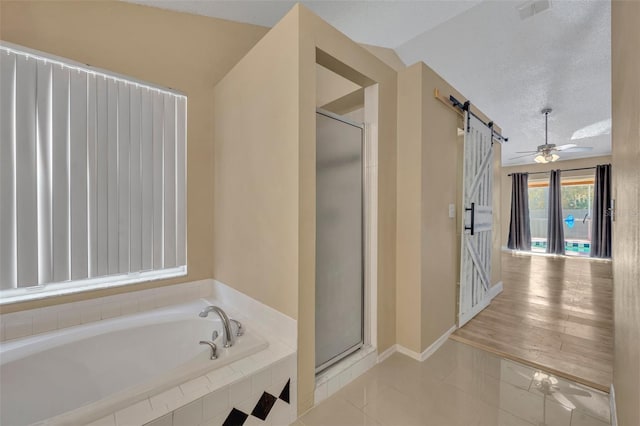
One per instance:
[(577, 205), (92, 177)]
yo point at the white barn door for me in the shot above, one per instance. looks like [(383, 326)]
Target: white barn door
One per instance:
[(477, 221)]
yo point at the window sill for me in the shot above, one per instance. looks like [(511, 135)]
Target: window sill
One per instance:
[(67, 288)]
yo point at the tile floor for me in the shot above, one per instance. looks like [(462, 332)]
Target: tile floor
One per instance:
[(459, 385)]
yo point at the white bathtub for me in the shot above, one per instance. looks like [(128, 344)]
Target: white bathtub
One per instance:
[(79, 374)]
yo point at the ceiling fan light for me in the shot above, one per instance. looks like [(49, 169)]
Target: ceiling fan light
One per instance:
[(540, 159), (554, 157)]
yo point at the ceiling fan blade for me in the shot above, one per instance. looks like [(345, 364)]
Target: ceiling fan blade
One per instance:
[(565, 146), (579, 149), (525, 152), (522, 156)]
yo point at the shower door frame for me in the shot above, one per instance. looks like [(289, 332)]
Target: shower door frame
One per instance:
[(363, 246)]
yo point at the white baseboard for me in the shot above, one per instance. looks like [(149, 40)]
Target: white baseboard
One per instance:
[(387, 353), (408, 352), (436, 345), (612, 407), (492, 293), (415, 355)]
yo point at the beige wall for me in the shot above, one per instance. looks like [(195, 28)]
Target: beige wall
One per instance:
[(330, 86), (409, 201), (625, 39), (264, 186), (535, 167), (255, 185), (185, 52), (429, 179)]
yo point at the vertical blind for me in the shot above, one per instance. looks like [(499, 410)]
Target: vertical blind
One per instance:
[(92, 173)]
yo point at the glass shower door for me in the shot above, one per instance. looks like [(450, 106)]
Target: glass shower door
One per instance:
[(339, 239)]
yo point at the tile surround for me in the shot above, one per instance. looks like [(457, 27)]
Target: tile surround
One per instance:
[(205, 400)]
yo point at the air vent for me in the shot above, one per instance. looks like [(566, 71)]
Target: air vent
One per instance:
[(533, 7)]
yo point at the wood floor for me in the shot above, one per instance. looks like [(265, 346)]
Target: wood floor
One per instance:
[(554, 313)]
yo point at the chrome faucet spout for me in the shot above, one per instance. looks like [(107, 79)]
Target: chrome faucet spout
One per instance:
[(227, 337)]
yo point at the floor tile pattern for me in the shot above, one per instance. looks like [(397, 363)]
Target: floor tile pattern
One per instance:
[(460, 385)]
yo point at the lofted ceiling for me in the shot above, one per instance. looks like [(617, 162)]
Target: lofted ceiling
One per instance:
[(510, 68)]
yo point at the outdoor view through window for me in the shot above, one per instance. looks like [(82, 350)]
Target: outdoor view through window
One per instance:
[(577, 202)]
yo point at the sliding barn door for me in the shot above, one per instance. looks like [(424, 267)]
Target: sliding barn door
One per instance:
[(477, 221)]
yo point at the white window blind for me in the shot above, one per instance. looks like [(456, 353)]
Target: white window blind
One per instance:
[(92, 175)]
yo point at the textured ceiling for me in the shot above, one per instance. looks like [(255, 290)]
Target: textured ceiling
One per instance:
[(508, 67), (512, 68)]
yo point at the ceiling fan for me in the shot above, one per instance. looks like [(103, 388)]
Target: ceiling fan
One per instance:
[(547, 153)]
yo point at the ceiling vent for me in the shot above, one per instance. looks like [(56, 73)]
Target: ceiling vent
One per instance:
[(533, 7)]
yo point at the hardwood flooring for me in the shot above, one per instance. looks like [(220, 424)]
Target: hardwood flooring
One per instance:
[(555, 314)]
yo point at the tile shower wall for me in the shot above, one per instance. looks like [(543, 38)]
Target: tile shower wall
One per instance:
[(41, 320)]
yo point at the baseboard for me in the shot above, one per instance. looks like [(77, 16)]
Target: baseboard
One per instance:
[(436, 345), (387, 353), (415, 355), (612, 406), (408, 352), (492, 293)]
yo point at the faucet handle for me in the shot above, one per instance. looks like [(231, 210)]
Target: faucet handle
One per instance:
[(239, 328), (214, 348), (214, 335)]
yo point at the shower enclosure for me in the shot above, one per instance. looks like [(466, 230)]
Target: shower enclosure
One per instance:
[(339, 238)]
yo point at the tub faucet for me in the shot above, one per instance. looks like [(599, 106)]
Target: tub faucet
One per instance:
[(227, 335)]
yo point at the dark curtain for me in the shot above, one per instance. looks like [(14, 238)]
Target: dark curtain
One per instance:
[(601, 219), (519, 226), (555, 225)]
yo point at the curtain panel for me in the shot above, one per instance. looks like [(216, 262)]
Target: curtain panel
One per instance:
[(555, 225), (601, 223), (519, 226)]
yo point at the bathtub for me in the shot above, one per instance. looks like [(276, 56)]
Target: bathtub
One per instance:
[(79, 374)]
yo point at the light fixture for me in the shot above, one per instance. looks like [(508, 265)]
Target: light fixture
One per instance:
[(544, 158), (546, 154)]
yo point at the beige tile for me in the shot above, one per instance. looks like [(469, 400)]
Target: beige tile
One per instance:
[(476, 383), (516, 374), (580, 418), (400, 372), (592, 402), (533, 408), (497, 417), (442, 362), (393, 408), (362, 391), (450, 403), (336, 411)]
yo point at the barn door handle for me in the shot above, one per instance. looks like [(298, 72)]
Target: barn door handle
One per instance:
[(473, 218)]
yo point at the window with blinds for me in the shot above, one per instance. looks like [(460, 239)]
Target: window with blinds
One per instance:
[(92, 177)]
